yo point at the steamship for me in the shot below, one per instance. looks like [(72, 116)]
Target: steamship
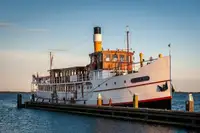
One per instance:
[(112, 74)]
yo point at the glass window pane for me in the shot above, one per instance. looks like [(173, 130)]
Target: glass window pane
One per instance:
[(115, 57), (107, 57), (121, 57)]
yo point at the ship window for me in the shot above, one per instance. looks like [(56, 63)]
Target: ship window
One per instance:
[(115, 83), (106, 84), (124, 81), (114, 57), (107, 57), (121, 57), (98, 85), (140, 79)]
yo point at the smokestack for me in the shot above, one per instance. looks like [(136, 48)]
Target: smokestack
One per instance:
[(97, 39)]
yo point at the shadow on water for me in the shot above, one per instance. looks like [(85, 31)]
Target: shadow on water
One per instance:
[(13, 120)]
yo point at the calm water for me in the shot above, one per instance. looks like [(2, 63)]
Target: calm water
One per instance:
[(13, 120)]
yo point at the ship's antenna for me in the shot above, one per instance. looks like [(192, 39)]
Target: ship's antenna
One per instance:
[(127, 39)]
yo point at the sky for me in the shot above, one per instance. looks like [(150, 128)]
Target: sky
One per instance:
[(29, 29)]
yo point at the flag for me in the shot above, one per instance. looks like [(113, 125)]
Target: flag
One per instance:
[(169, 45)]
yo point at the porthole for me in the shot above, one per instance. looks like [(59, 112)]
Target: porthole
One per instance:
[(115, 83), (106, 84), (124, 81), (98, 85)]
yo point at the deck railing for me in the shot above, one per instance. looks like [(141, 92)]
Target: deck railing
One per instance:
[(95, 75)]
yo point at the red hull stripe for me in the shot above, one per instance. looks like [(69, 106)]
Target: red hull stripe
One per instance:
[(132, 86), (142, 101)]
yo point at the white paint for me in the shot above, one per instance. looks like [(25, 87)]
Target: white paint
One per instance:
[(97, 38), (157, 71)]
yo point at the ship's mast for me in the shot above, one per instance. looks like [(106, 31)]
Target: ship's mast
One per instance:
[(50, 59), (127, 39), (54, 95), (51, 56)]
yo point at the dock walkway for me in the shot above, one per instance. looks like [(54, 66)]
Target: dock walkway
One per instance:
[(157, 116)]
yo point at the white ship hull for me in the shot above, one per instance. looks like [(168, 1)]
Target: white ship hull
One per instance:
[(121, 90)]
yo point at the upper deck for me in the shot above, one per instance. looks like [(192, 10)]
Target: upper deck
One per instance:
[(71, 74)]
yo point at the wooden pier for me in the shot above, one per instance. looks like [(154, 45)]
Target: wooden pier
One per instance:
[(167, 117)]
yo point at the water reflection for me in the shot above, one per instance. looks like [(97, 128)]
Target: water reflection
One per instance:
[(116, 126)]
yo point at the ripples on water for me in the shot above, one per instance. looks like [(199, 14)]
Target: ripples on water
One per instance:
[(13, 120)]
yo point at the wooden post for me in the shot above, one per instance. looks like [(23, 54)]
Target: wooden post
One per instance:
[(190, 104), (135, 101), (33, 98), (110, 102), (19, 100), (99, 100)]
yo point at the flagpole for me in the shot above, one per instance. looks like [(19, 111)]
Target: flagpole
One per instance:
[(169, 45)]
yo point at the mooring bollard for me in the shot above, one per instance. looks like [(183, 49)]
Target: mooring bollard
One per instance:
[(190, 104), (33, 98), (135, 101), (110, 102), (99, 100), (19, 100)]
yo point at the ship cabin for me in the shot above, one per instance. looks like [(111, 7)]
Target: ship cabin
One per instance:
[(71, 74), (111, 60), (72, 80), (107, 63)]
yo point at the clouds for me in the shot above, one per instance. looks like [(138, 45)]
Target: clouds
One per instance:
[(38, 30), (4, 24), (14, 27), (17, 67)]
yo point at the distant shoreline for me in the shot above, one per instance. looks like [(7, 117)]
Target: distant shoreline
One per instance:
[(13, 92)]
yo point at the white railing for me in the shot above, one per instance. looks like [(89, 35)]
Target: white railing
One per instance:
[(94, 75)]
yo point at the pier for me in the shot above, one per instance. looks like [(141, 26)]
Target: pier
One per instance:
[(167, 117)]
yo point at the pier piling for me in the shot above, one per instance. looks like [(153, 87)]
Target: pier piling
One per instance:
[(110, 102), (19, 101), (190, 104), (99, 100), (135, 101), (33, 98)]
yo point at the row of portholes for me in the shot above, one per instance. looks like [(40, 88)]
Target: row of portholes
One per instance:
[(114, 83)]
